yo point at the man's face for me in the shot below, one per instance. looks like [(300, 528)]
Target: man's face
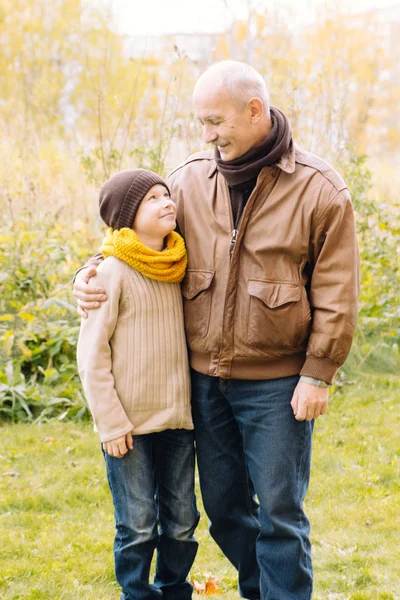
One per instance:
[(224, 124)]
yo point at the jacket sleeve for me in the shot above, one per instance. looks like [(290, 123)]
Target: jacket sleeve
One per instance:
[(177, 197), (334, 289), (94, 357), (94, 261)]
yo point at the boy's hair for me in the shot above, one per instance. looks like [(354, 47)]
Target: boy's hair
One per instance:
[(121, 195)]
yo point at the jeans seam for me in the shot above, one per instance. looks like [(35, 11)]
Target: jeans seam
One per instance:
[(247, 481), (247, 478), (223, 385), (302, 521), (117, 521), (158, 517)]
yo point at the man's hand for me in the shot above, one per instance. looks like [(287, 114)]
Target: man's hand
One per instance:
[(88, 297), (309, 401), (119, 447)]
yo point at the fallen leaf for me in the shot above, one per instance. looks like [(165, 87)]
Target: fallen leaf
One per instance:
[(209, 588), (199, 588), (212, 587), (12, 474)]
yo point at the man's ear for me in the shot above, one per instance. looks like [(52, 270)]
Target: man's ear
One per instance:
[(256, 108)]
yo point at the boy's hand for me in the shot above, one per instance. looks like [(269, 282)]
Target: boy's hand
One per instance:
[(88, 297), (119, 447)]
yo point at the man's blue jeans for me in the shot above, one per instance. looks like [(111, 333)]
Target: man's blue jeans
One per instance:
[(246, 435), (155, 508)]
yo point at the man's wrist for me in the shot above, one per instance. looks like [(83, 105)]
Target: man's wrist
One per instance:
[(312, 381)]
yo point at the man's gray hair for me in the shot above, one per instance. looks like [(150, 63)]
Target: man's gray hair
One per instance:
[(241, 81)]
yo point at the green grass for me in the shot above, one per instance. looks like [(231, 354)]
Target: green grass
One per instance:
[(56, 520)]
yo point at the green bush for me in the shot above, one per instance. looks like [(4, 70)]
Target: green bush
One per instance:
[(39, 325), (378, 228), (377, 338)]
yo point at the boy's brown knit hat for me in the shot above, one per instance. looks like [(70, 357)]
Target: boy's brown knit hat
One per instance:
[(121, 195)]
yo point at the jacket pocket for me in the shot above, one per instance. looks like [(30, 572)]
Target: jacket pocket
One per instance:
[(279, 315), (197, 302)]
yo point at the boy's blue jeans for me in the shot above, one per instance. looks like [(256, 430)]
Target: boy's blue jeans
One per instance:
[(155, 508), (246, 435)]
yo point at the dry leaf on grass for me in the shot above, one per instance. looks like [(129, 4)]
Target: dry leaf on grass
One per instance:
[(209, 588)]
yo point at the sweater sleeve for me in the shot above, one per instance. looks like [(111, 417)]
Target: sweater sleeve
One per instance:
[(334, 289), (94, 356)]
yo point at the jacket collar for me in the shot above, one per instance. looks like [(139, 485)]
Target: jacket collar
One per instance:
[(286, 163)]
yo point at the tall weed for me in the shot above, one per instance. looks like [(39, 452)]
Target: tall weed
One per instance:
[(39, 326)]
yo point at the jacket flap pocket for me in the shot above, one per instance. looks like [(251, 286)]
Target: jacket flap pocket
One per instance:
[(273, 294), (196, 282)]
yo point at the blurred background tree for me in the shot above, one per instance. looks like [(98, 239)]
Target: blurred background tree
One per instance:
[(79, 101)]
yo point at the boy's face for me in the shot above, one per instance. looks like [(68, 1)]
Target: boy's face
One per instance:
[(156, 216)]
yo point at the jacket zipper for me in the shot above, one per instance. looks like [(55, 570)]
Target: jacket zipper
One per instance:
[(232, 242)]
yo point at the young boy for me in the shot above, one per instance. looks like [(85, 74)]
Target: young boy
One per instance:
[(132, 359)]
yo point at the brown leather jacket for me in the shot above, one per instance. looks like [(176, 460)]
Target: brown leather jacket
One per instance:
[(279, 296)]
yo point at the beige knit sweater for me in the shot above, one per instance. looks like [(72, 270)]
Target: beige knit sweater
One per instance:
[(132, 355)]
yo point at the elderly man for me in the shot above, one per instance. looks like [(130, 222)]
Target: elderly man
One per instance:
[(270, 300)]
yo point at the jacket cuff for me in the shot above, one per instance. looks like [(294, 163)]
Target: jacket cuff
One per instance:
[(320, 368), (78, 271), (94, 261)]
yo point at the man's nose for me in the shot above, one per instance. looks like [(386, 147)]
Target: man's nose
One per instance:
[(209, 134)]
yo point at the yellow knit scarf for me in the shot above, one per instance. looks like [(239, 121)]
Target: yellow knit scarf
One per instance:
[(168, 265)]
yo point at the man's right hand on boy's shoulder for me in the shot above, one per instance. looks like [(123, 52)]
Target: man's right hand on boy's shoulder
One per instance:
[(120, 446), (89, 297)]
